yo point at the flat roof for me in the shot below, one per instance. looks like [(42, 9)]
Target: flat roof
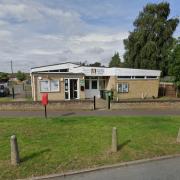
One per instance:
[(95, 71)]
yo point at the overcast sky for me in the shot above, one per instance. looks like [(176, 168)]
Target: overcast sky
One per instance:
[(41, 32)]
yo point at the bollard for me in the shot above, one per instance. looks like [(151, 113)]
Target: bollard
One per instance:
[(14, 151), (114, 140), (178, 137)]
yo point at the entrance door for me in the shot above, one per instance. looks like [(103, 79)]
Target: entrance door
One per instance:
[(73, 89)]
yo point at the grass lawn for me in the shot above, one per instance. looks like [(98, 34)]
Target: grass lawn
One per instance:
[(5, 99), (10, 99), (69, 143)]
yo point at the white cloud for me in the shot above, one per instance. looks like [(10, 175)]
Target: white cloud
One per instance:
[(33, 34)]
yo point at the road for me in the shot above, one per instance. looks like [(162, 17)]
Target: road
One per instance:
[(132, 112), (168, 169)]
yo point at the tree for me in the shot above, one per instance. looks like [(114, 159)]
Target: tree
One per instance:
[(115, 61), (174, 65), (96, 64), (147, 46), (20, 76), (4, 77)]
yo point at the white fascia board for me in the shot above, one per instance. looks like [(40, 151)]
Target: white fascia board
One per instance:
[(101, 71), (93, 71), (136, 72), (54, 67)]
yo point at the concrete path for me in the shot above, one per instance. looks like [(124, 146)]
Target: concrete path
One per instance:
[(168, 169), (133, 112)]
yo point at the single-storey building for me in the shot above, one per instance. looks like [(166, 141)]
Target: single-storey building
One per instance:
[(68, 81)]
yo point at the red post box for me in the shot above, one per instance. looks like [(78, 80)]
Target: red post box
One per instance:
[(44, 102), (44, 99)]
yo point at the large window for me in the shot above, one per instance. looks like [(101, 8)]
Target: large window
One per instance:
[(86, 83), (123, 88), (94, 84), (49, 85), (44, 86)]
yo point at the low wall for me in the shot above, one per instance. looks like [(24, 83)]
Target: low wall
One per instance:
[(146, 104), (53, 105)]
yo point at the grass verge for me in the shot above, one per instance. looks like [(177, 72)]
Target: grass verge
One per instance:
[(67, 143)]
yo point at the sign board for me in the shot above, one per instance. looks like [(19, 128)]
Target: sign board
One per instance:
[(82, 82), (97, 71), (94, 72)]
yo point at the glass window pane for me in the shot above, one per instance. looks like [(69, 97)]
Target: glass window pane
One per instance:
[(54, 85), (44, 86), (86, 84), (94, 84), (75, 94), (123, 88), (119, 87)]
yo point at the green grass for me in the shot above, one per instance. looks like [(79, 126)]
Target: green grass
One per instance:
[(5, 99), (10, 99), (68, 143)]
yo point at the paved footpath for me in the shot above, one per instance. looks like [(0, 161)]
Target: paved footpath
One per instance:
[(168, 169), (132, 112)]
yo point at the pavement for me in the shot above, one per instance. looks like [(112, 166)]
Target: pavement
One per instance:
[(128, 112), (162, 169)]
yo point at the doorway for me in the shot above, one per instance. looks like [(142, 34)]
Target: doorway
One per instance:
[(71, 89)]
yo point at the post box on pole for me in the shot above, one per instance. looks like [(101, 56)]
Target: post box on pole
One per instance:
[(44, 102)]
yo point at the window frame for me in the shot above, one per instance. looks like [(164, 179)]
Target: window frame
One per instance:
[(94, 80), (123, 84), (49, 86)]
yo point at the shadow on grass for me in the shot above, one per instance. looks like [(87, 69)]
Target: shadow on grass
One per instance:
[(68, 114), (120, 146), (33, 155)]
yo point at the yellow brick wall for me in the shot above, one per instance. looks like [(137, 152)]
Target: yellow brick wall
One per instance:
[(55, 95), (146, 88)]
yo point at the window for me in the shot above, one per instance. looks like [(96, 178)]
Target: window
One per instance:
[(54, 85), (94, 84), (151, 77), (124, 77), (44, 86), (123, 88), (139, 77), (49, 85), (86, 83)]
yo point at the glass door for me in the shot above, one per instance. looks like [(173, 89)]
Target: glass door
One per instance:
[(73, 89), (66, 89)]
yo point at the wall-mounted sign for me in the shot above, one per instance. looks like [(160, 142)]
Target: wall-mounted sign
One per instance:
[(82, 82), (98, 71)]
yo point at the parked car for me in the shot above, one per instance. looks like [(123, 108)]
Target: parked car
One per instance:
[(4, 90)]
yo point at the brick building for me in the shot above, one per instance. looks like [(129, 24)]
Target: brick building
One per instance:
[(68, 81)]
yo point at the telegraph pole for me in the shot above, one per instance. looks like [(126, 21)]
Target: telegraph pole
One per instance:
[(13, 94), (11, 67)]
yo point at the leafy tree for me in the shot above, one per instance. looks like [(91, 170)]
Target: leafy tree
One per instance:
[(115, 61), (147, 46), (96, 64), (174, 66), (4, 77), (20, 76)]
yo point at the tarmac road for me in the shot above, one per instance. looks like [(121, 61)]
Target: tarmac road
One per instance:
[(167, 169), (132, 112)]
